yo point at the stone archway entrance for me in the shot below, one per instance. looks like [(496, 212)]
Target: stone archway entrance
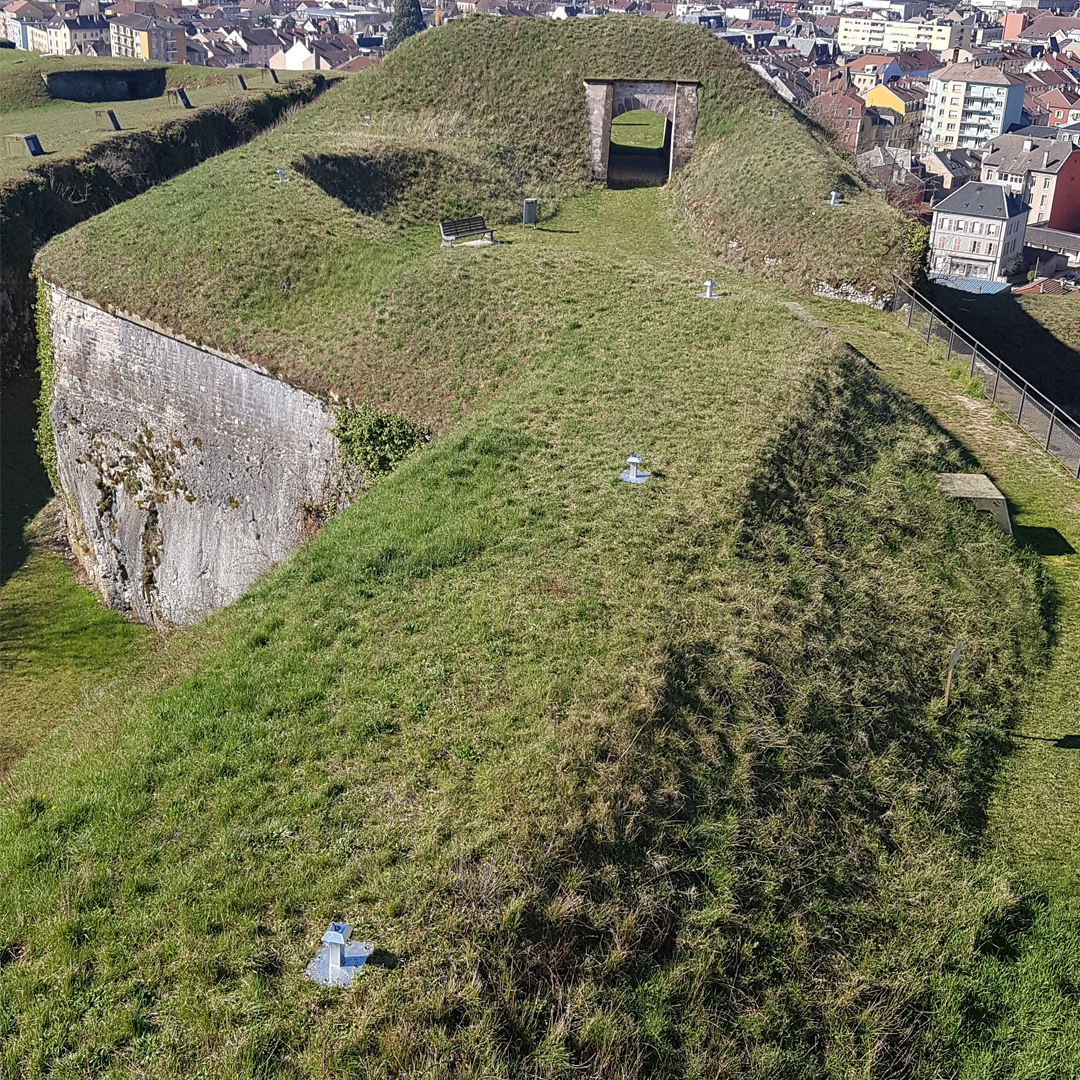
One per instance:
[(676, 101)]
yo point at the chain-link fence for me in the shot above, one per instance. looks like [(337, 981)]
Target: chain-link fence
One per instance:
[(1034, 412)]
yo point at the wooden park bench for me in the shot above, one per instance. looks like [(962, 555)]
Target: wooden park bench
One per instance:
[(462, 228)]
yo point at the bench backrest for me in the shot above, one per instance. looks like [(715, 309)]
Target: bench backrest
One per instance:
[(463, 226)]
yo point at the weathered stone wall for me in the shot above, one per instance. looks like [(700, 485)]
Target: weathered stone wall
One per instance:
[(598, 95), (106, 84), (187, 473), (657, 97), (607, 98), (685, 124)]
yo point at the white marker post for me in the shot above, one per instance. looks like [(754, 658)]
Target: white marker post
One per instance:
[(954, 659)]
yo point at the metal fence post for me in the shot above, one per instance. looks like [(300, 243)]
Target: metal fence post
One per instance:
[(911, 307), (929, 327), (952, 335), (971, 373), (1023, 398), (1050, 429), (997, 379)]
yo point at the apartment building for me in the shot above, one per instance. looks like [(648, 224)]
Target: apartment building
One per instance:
[(1060, 106), (16, 21), (967, 105), (977, 231), (882, 35), (1044, 173), (76, 33), (146, 38)]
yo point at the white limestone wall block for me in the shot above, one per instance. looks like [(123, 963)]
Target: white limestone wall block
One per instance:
[(187, 473)]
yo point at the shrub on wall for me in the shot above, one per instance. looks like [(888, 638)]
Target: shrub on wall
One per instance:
[(373, 440), (43, 433)]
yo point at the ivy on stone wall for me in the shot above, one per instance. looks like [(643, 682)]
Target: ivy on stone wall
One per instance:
[(375, 441), (43, 433), (919, 249)]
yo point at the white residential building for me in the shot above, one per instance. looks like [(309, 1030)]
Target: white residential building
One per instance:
[(879, 34), (967, 105), (77, 33), (977, 231)]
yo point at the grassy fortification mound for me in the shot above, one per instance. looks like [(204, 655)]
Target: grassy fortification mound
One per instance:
[(621, 782), (59, 191), (22, 85), (757, 183), (462, 120)]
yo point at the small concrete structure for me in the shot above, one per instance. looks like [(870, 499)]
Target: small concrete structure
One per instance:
[(106, 120), (22, 146), (676, 101), (980, 490), (178, 96), (340, 958)]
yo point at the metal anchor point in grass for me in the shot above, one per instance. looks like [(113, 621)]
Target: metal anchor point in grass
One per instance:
[(631, 475), (339, 959)]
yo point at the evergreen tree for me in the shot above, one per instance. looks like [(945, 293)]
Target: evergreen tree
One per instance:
[(407, 20)]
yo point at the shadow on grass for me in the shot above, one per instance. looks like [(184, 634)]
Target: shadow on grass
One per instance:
[(24, 487), (632, 167), (384, 959), (1004, 326), (442, 186), (1043, 539), (1066, 742)]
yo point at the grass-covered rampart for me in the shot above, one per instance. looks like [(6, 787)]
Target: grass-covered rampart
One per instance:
[(464, 119), (52, 197), (624, 782), (22, 87)]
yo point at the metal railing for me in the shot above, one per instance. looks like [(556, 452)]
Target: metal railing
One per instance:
[(1030, 409)]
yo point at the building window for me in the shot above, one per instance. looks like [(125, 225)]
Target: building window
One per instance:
[(1046, 181)]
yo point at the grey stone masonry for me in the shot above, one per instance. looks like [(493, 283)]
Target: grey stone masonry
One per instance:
[(187, 473), (676, 101)]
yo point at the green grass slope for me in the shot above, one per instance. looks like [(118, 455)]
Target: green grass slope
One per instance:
[(621, 782), (464, 119), (22, 87)]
